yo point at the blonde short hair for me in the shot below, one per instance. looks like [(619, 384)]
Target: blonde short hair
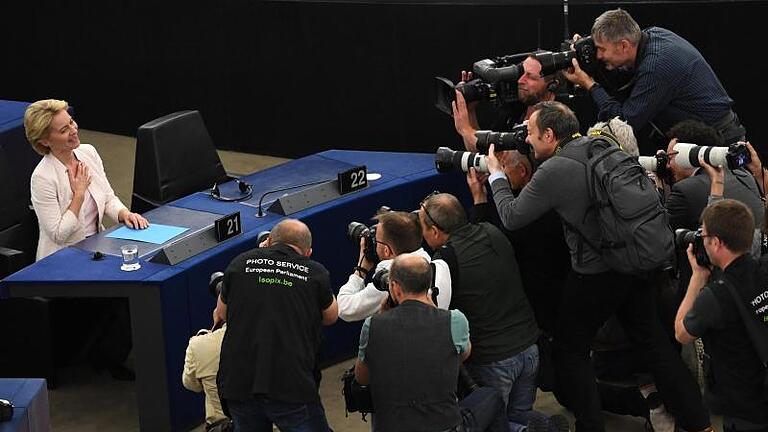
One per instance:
[(37, 120), (619, 129)]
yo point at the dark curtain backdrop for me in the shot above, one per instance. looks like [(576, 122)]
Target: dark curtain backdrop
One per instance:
[(293, 78)]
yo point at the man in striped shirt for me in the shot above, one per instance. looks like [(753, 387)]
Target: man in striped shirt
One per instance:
[(671, 81)]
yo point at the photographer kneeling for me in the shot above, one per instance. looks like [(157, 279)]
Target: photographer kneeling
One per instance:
[(396, 233), (410, 356), (735, 376)]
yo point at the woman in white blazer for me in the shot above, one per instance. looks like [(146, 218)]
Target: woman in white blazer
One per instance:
[(70, 191)]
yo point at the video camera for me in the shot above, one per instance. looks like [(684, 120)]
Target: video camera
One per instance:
[(684, 237), (496, 82)]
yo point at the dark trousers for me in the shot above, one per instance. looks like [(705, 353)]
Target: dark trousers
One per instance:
[(259, 413), (588, 301), (482, 410)]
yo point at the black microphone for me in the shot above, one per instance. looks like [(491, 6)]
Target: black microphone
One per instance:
[(261, 212)]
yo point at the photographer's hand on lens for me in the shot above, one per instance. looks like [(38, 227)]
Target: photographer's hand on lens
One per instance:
[(219, 313), (577, 76), (700, 274), (476, 183), (492, 162), (463, 119)]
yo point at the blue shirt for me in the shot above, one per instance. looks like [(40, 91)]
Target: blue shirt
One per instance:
[(673, 82)]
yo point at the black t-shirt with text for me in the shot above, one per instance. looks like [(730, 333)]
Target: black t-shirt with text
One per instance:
[(274, 300)]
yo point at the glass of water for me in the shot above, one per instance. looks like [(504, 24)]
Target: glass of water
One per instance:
[(130, 254)]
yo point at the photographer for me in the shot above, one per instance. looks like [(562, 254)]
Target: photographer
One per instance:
[(410, 355), (532, 88), (690, 187), (735, 375), (671, 81), (201, 364), (397, 233), (594, 291), (540, 248), (275, 300), (487, 288)]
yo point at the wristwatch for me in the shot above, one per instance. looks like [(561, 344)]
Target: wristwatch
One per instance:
[(593, 87)]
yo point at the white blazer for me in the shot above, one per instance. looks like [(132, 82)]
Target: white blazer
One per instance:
[(52, 195)]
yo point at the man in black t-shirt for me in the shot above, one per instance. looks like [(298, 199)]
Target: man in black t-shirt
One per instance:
[(275, 300), (487, 288), (735, 375)]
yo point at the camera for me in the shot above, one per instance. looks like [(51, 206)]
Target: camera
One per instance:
[(261, 236), (691, 155), (684, 237), (503, 141), (380, 280), (215, 284), (356, 231), (584, 51), (656, 164), (447, 160), (496, 82)]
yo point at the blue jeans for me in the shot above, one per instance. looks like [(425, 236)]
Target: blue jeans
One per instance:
[(515, 379), (259, 413)]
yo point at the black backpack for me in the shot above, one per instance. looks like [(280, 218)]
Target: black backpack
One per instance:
[(635, 234)]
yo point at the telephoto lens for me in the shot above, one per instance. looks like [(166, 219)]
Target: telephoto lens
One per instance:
[(447, 160), (691, 155), (504, 141)]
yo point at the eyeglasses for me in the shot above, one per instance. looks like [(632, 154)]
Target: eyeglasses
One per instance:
[(426, 212)]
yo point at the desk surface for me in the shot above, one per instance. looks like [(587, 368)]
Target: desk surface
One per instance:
[(29, 397), (11, 114)]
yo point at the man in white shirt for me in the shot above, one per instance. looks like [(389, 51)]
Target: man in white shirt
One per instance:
[(396, 233)]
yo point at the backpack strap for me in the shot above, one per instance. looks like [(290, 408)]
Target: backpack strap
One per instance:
[(435, 289)]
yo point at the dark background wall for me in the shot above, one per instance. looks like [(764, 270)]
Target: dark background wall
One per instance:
[(291, 78)]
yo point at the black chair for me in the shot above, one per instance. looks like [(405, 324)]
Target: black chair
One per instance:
[(174, 157)]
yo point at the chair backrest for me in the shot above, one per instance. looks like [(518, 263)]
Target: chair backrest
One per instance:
[(18, 223), (175, 156)]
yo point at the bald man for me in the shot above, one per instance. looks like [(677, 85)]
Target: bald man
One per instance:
[(275, 301)]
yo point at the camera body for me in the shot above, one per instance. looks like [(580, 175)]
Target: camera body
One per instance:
[(684, 237), (657, 163), (447, 160), (584, 51), (503, 141), (358, 230), (691, 155)]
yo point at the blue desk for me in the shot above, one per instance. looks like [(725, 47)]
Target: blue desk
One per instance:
[(29, 397), (170, 303), (22, 160)]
